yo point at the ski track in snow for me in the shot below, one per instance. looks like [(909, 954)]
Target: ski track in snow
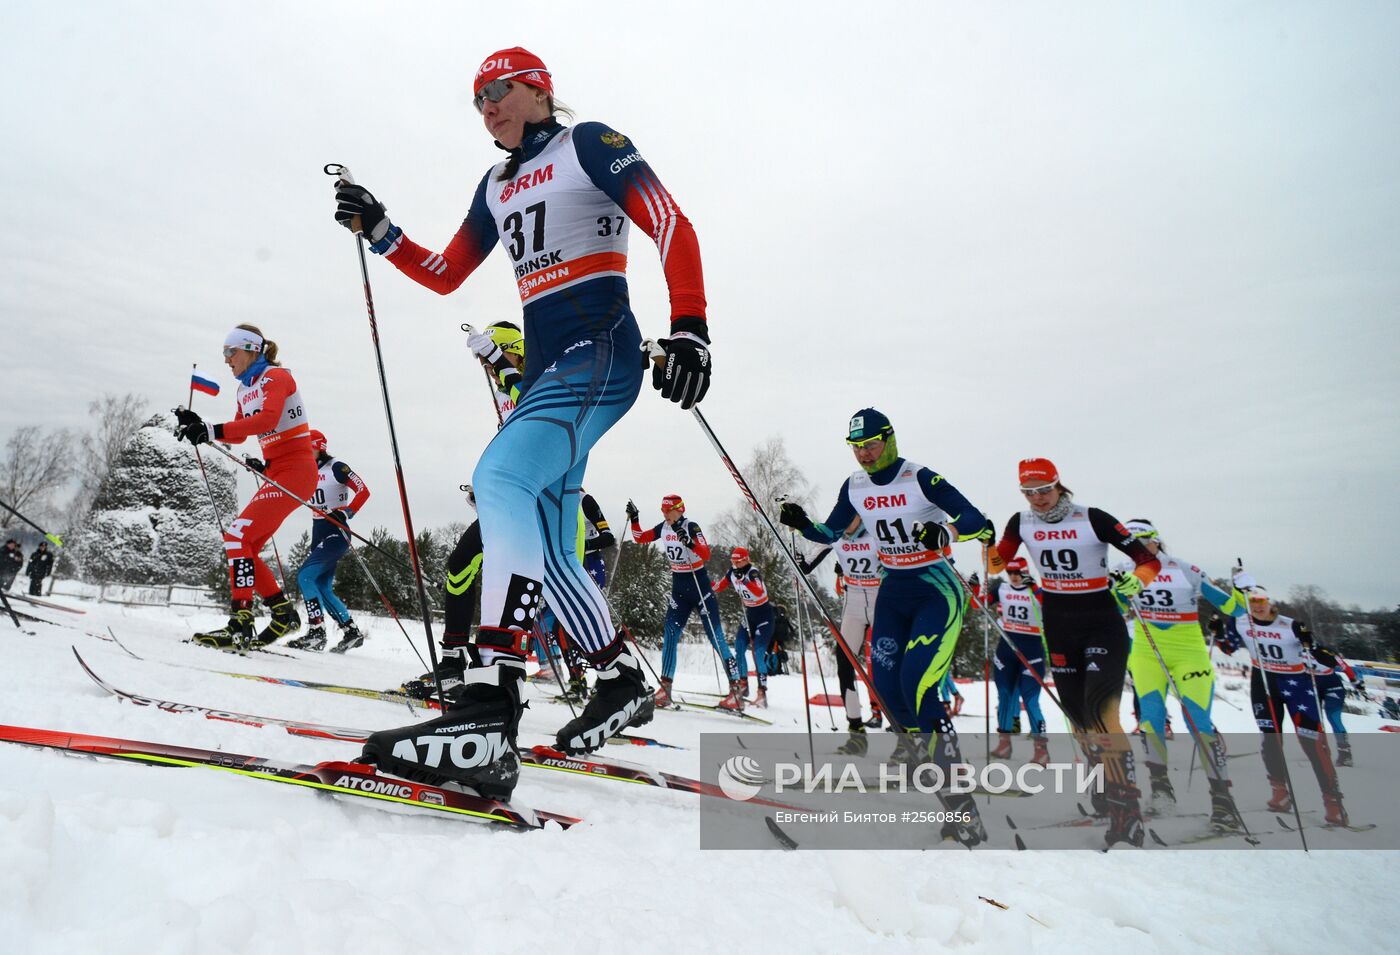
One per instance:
[(112, 858)]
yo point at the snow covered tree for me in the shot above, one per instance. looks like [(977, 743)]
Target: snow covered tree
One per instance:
[(151, 521), (770, 473), (640, 589), (115, 418)]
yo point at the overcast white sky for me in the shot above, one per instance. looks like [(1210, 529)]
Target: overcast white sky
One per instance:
[(1156, 242)]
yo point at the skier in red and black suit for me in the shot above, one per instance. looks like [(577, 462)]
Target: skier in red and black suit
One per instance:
[(343, 494), (1084, 631), (270, 407), (757, 628), (685, 547)]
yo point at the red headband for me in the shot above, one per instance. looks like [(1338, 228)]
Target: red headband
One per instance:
[(517, 64)]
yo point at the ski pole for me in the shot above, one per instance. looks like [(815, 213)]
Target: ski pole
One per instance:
[(364, 566), (987, 615), (320, 512), (655, 353), (58, 541), (801, 612), (987, 671), (821, 672), (715, 639), (343, 175), (538, 633), (1208, 764), (9, 610), (198, 457), (816, 646), (626, 631), (490, 382), (807, 695)]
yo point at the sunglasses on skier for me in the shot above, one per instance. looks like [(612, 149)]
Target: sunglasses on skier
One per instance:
[(1033, 491), (231, 350), (867, 441), (497, 89)]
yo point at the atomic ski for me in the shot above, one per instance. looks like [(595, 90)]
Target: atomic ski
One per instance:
[(339, 778), (539, 757)]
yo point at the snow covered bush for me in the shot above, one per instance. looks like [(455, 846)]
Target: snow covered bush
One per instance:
[(151, 522)]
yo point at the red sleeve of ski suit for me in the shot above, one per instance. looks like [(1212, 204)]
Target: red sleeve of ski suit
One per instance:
[(445, 271), (615, 165)]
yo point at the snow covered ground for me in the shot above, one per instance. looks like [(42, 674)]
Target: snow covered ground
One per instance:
[(111, 858)]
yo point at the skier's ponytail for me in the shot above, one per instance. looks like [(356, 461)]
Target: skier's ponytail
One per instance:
[(269, 348)]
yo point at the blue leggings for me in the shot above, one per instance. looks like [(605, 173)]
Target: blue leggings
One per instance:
[(1333, 692), (918, 616), (690, 591), (1015, 685), (758, 627), (316, 575), (528, 479)]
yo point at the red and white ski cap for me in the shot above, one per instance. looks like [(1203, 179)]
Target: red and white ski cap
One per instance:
[(672, 502), (738, 554), (517, 64), (1037, 472), (1018, 564), (318, 440)]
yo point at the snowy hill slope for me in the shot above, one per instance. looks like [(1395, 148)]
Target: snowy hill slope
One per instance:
[(112, 858)]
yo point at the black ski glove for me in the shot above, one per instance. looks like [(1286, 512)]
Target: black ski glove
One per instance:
[(633, 515), (192, 427), (351, 201), (684, 377), (682, 533), (932, 535), (792, 515), (256, 464)]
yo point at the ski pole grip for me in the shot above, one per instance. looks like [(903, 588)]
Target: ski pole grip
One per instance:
[(653, 352), (340, 172), (342, 175)]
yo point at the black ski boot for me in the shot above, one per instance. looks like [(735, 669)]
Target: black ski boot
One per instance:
[(858, 744), (473, 744), (312, 639), (452, 665), (285, 620), (350, 638), (1224, 815), (1124, 816), (965, 826), (237, 634), (1163, 795), (620, 699), (1343, 753)]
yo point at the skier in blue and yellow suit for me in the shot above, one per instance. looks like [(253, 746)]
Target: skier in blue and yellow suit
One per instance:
[(914, 514)]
